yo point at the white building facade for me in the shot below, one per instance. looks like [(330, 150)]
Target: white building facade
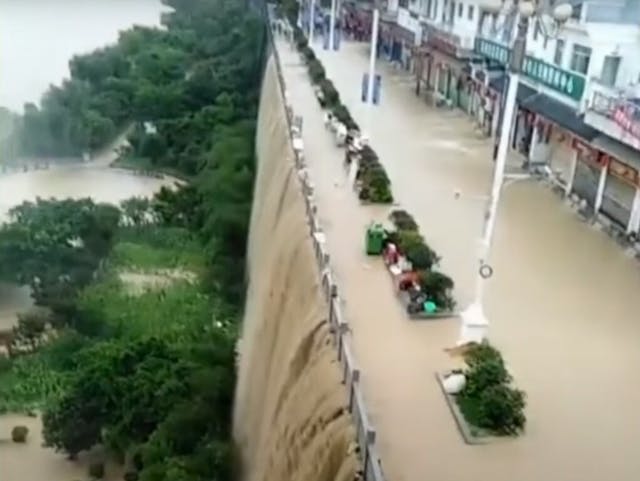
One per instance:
[(578, 100)]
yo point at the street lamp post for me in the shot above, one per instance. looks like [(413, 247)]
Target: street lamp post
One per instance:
[(475, 324), (312, 21), (332, 24)]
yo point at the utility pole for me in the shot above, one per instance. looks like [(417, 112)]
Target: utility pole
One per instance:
[(474, 322), (312, 21)]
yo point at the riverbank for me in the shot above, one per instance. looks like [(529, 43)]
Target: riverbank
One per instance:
[(144, 167)]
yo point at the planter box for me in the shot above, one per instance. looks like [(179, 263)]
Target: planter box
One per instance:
[(471, 434), (404, 301)]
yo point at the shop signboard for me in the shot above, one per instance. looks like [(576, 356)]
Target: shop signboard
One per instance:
[(622, 171), (588, 154), (567, 83)]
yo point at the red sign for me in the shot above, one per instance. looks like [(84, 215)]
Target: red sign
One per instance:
[(627, 116), (587, 154)]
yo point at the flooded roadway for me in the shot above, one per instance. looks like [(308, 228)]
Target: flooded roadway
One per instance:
[(562, 300)]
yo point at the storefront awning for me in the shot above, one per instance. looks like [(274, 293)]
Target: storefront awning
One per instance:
[(560, 114), (524, 91), (618, 150)]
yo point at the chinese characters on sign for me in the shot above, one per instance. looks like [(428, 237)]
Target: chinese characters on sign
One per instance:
[(567, 83), (627, 116)]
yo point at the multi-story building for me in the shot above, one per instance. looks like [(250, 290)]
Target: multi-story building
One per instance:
[(578, 98)]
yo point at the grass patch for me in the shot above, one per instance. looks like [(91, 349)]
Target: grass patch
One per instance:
[(157, 248)]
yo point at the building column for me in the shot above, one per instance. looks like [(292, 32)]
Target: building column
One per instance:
[(572, 173), (634, 220), (534, 142), (600, 193), (436, 82)]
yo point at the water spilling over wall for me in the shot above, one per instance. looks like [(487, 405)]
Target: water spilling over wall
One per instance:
[(290, 420)]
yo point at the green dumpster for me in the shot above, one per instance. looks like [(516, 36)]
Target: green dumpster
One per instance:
[(375, 239)]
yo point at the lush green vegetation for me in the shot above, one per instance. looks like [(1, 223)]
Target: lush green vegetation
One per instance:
[(488, 400), (149, 373)]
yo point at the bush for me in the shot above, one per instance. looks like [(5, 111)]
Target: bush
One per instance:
[(499, 409), (96, 470), (481, 353), (422, 257), (342, 114), (374, 183), (331, 95), (308, 54), (19, 434), (437, 287), (131, 476), (402, 220), (300, 39), (488, 401), (316, 71)]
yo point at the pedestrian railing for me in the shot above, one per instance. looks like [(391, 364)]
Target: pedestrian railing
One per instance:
[(371, 469)]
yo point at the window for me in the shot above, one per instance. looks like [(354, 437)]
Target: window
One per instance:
[(580, 59), (557, 57), (610, 68), (470, 12), (460, 9), (429, 8)]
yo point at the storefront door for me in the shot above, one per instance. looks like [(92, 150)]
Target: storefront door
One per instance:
[(585, 182), (442, 79), (453, 89), (619, 192)]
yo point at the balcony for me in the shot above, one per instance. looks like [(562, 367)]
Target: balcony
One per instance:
[(614, 114)]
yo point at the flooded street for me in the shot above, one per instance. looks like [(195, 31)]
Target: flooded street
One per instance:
[(561, 303), (37, 39)]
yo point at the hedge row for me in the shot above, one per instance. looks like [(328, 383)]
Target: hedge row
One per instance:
[(436, 286), (374, 182)]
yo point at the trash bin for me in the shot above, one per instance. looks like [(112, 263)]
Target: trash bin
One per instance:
[(375, 239)]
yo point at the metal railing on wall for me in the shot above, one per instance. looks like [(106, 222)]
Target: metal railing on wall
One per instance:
[(365, 433)]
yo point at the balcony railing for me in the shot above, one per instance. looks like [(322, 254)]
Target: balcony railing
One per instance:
[(625, 113)]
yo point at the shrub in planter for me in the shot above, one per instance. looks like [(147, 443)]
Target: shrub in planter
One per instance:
[(421, 256), (316, 71), (402, 220), (308, 54), (341, 113), (96, 470), (376, 183), (481, 353), (438, 286), (500, 409), (331, 95), (19, 434), (300, 39), (409, 239), (484, 375)]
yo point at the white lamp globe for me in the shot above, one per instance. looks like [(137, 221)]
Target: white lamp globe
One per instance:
[(526, 9), (562, 12), (491, 6)]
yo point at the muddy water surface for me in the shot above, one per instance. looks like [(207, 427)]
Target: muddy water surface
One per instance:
[(562, 303)]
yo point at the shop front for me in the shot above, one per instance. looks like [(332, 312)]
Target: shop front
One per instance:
[(447, 71), (622, 180), (554, 146), (402, 42), (588, 170)]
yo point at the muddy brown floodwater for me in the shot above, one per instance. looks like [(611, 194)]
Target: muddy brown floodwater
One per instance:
[(562, 303)]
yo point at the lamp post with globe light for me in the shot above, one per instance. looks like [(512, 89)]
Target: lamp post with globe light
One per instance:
[(475, 324)]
